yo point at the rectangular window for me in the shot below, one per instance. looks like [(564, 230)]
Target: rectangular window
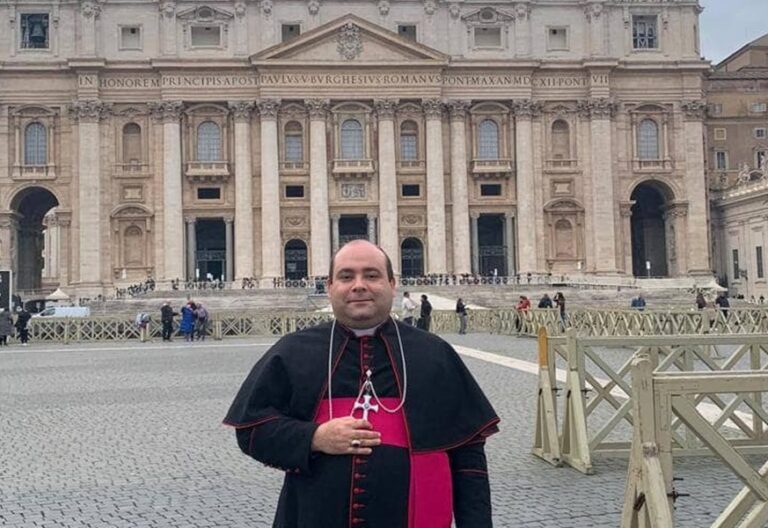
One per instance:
[(294, 191), (760, 133), (720, 134), (411, 189), (130, 38), (490, 189), (294, 148), (644, 33), (759, 159), (558, 38), (408, 149), (34, 31), (209, 193), (735, 255), (407, 31), (487, 37), (758, 108), (290, 31), (721, 160), (206, 36), (759, 257)]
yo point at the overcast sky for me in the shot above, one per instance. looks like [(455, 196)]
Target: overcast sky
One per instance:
[(726, 25)]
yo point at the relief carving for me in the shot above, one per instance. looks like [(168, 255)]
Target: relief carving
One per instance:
[(90, 110), (166, 111), (348, 41)]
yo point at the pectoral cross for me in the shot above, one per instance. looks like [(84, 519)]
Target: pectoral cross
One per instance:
[(366, 404)]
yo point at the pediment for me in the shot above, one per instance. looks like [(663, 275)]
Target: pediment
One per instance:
[(488, 15), (204, 13), (348, 39)]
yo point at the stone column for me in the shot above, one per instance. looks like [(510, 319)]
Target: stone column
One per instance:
[(191, 222), (473, 218), (64, 220), (168, 27), (169, 113), (230, 248), (335, 222), (8, 226), (509, 239), (459, 192), (88, 113), (320, 228), (526, 198), (603, 201), (372, 229), (388, 219), (89, 12), (271, 244), (243, 263), (696, 190), (435, 187), (625, 211)]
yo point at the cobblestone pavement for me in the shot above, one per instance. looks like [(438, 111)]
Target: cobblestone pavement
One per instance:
[(130, 435)]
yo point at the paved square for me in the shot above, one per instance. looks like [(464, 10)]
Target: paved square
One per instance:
[(130, 435)]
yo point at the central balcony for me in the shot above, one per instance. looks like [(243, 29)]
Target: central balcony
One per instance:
[(207, 171), (353, 168), (33, 172), (652, 165), (491, 168)]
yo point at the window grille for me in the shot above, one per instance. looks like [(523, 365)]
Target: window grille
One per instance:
[(35, 144), (352, 140), (294, 142), (208, 142), (648, 140), (644, 35), (488, 140)]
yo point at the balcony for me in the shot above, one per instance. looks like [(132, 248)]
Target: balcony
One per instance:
[(298, 168), (411, 166), (491, 168), (652, 165), (207, 171), (561, 165), (357, 168), (33, 172), (131, 170)]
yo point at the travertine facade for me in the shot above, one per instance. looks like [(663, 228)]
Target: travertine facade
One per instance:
[(737, 154), (250, 139)]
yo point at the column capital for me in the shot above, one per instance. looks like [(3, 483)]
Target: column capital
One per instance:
[(458, 108), (90, 9), (522, 11), (694, 110), (241, 110), (268, 108), (372, 216), (526, 108), (90, 110), (335, 217), (593, 11), (474, 215), (625, 208), (317, 108), (597, 108), (189, 219), (678, 209), (167, 9), (228, 218), (385, 108), (433, 108), (166, 111)]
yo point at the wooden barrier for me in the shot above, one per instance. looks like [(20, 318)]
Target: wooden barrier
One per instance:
[(598, 397), (661, 398), (546, 443)]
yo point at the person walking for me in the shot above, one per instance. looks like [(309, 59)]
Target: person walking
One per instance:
[(6, 326), (201, 322), (560, 303), (723, 304), (187, 325), (425, 317), (461, 311), (22, 319), (408, 307), (166, 318)]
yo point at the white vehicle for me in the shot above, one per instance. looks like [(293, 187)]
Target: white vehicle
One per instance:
[(65, 311)]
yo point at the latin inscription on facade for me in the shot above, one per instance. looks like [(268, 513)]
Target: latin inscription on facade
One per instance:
[(353, 191)]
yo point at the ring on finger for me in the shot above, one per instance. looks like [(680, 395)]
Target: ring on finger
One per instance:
[(355, 443)]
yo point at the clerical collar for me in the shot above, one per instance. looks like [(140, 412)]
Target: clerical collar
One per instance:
[(361, 332)]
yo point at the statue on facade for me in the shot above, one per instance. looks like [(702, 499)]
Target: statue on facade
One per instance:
[(743, 173)]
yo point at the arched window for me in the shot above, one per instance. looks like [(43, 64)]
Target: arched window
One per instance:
[(132, 144), (132, 243), (352, 140), (294, 142), (648, 140), (564, 239), (409, 134), (488, 140), (208, 142), (561, 140), (35, 144)]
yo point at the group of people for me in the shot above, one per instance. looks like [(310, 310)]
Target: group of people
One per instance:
[(409, 309), (193, 324), (558, 301), (7, 325)]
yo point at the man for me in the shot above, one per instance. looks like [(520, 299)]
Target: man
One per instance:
[(408, 307), (461, 312), (394, 439), (166, 317), (22, 319), (545, 301), (638, 302), (723, 304), (425, 317)]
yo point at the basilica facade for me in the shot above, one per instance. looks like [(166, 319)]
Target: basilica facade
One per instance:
[(183, 140)]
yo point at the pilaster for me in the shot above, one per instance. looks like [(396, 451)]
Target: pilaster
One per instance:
[(524, 111), (271, 242), (243, 258), (388, 217), (436, 261), (459, 192), (696, 190), (320, 230)]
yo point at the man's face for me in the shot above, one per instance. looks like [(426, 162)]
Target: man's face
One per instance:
[(360, 292)]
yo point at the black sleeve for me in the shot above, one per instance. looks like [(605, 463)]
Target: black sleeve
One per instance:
[(471, 490), (282, 443)]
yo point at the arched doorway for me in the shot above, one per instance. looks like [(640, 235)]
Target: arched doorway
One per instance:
[(295, 259), (412, 258), (31, 205), (649, 230), (490, 240)]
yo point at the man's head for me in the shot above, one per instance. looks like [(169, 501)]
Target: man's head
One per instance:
[(407, 294), (423, 297), (361, 285)]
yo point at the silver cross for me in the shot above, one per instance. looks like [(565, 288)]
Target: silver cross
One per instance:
[(366, 405)]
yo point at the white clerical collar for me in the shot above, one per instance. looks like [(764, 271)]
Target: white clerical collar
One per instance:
[(361, 332)]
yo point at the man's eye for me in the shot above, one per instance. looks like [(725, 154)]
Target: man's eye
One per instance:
[(372, 275)]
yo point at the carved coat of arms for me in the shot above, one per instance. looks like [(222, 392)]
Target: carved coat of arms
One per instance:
[(349, 44)]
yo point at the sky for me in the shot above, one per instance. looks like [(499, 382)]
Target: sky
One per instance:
[(726, 25)]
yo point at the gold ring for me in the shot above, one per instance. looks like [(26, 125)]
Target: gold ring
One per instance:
[(355, 443)]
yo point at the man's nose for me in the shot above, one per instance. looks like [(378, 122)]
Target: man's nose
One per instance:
[(359, 283)]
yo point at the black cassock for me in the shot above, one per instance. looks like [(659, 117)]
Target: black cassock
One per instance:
[(431, 465)]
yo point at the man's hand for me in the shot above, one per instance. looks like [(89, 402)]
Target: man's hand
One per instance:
[(345, 436)]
